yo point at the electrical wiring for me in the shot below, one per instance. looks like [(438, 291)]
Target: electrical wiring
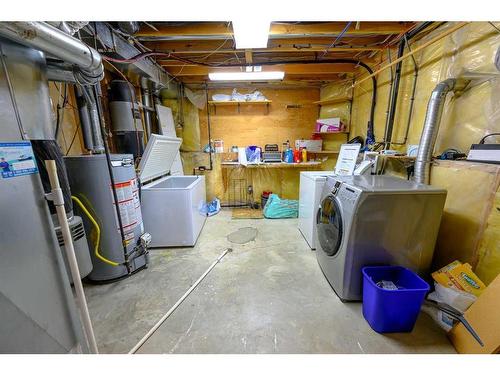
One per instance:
[(337, 38), (59, 117), (230, 36), (488, 135), (72, 141)]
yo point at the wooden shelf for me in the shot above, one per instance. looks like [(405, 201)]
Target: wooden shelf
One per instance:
[(324, 133), (273, 165), (234, 103), (333, 101)]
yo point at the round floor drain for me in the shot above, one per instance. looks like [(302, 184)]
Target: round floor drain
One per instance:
[(242, 235)]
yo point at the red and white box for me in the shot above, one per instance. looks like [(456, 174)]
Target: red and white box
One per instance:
[(329, 125)]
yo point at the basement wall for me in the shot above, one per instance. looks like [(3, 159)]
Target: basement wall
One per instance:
[(470, 228), (70, 130), (252, 125)]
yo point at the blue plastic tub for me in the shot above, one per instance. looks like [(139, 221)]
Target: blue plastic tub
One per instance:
[(392, 310)]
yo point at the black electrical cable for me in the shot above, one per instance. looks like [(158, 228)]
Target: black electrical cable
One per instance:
[(59, 117), (395, 88), (486, 136), (72, 141), (337, 39)]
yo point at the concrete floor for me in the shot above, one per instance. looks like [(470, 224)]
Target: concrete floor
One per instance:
[(267, 296)]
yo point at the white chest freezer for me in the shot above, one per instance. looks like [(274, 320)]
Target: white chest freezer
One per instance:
[(172, 206)]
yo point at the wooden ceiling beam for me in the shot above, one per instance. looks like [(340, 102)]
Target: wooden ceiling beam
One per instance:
[(223, 29), (225, 51), (293, 45), (248, 56), (289, 69)]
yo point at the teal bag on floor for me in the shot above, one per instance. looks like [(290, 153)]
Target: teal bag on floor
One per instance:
[(277, 208)]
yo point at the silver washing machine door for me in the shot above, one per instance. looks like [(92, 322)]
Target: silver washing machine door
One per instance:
[(329, 226)]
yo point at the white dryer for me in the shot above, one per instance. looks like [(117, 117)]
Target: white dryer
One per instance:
[(311, 187), (375, 220)]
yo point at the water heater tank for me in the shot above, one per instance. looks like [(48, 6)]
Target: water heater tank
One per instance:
[(90, 182), (126, 119)]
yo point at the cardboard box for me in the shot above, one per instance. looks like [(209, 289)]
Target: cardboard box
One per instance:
[(459, 276), (309, 144), (484, 317), (328, 125)]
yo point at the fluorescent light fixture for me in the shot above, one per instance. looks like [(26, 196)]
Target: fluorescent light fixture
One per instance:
[(246, 76), (251, 33)]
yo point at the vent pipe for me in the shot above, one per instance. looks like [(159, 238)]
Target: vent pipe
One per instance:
[(431, 126), (86, 61)]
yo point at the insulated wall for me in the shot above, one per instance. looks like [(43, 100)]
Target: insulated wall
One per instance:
[(469, 229)]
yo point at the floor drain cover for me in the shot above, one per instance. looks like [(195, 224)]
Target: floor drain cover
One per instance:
[(242, 235)]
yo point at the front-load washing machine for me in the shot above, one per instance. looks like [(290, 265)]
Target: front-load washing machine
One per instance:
[(375, 220)]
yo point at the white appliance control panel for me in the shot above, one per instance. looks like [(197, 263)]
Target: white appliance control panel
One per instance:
[(346, 195)]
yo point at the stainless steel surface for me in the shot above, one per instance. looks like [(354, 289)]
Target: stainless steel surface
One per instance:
[(36, 303), (89, 181), (46, 38), (12, 95), (380, 222), (431, 126), (27, 71)]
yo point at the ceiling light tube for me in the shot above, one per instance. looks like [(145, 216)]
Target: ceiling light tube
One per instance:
[(246, 76)]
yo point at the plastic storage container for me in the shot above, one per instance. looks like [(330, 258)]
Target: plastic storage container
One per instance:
[(392, 310)]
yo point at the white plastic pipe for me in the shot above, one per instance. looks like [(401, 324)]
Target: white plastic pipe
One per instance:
[(58, 200), (169, 312)]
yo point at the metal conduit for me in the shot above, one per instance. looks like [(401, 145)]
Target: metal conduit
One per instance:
[(88, 67)]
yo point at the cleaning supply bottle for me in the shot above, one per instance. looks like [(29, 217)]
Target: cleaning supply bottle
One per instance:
[(296, 156), (304, 155)]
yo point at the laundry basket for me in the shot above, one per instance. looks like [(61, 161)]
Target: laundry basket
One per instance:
[(395, 310)]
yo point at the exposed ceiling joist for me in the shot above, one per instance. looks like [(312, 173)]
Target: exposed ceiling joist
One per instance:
[(289, 69), (222, 30), (248, 56), (216, 48)]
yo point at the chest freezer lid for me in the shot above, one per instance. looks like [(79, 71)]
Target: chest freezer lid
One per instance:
[(158, 157)]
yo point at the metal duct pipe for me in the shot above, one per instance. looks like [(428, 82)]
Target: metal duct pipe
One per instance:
[(60, 72), (44, 37), (83, 111), (147, 103), (95, 124), (431, 126)]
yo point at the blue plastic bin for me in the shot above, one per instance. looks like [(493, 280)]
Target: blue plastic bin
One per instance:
[(392, 310)]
